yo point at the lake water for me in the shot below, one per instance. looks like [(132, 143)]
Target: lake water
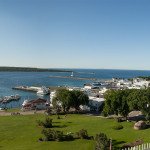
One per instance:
[(12, 79)]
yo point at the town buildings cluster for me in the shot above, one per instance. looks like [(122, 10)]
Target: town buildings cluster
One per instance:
[(95, 92)]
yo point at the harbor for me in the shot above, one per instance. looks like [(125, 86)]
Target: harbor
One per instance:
[(26, 84)]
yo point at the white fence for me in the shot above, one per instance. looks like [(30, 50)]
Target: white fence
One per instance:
[(140, 147)]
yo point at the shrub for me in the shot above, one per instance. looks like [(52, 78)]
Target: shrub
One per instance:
[(39, 122), (117, 127), (102, 142), (52, 135), (82, 134), (69, 136), (46, 124)]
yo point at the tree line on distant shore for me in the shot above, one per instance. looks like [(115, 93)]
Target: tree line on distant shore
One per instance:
[(28, 69), (123, 101)]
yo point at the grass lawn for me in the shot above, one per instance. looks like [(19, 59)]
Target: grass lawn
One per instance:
[(22, 132)]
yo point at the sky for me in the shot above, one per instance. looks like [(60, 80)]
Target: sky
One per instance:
[(101, 34)]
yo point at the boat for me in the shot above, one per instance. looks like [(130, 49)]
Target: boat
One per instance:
[(43, 91), (72, 75)]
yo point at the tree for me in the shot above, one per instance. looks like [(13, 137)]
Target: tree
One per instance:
[(62, 99), (67, 99), (123, 101), (102, 142), (79, 98), (116, 102)]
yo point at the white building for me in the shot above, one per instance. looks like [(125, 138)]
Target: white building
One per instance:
[(103, 90), (87, 86), (141, 83), (95, 102)]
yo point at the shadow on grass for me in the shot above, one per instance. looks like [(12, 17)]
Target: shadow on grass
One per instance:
[(116, 144), (59, 126), (57, 122)]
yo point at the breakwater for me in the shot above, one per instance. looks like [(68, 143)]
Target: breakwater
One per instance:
[(74, 78), (35, 89), (26, 88)]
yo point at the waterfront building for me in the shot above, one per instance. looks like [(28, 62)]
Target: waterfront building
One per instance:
[(37, 104)]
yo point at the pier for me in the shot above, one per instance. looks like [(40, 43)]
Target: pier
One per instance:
[(27, 88), (34, 88)]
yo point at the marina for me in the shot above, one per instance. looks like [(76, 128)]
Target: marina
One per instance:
[(7, 99), (26, 84)]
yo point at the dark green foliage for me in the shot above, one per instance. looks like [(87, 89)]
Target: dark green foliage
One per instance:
[(47, 123), (52, 135), (123, 101), (69, 137), (102, 142), (116, 103), (117, 127), (82, 134), (39, 122), (70, 99)]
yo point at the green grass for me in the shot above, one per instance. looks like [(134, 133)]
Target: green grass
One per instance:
[(22, 132), (13, 110)]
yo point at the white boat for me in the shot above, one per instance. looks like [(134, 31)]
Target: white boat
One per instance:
[(72, 74), (43, 91)]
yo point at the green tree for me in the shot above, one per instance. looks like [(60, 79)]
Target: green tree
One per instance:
[(79, 98), (68, 99), (102, 142), (116, 102)]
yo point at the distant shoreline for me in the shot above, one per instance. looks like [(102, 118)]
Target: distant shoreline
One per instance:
[(27, 69)]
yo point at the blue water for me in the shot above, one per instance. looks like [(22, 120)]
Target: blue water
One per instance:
[(12, 79)]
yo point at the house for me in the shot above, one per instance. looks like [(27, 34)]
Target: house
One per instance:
[(37, 104)]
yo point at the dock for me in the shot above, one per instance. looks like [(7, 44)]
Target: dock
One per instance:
[(27, 88), (34, 88)]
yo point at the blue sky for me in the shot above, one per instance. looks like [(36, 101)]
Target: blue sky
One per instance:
[(75, 33)]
